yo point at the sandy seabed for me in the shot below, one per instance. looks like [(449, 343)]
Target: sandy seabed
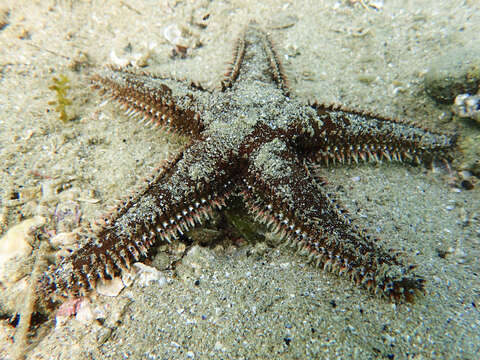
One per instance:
[(243, 303)]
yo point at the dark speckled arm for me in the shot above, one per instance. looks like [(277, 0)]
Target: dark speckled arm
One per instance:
[(282, 194), (347, 136), (169, 103), (173, 202)]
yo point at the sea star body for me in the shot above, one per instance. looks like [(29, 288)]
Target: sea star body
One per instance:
[(250, 140)]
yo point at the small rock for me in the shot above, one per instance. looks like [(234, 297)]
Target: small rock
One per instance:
[(260, 249), (456, 72), (470, 150), (195, 262), (467, 106), (161, 261), (147, 274)]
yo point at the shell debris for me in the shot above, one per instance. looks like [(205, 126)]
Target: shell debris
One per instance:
[(16, 243)]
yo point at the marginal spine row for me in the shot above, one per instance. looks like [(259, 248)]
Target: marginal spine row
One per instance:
[(348, 154), (122, 205), (78, 274), (153, 106), (157, 212), (344, 136), (233, 70), (392, 281), (275, 65), (188, 217), (313, 221)]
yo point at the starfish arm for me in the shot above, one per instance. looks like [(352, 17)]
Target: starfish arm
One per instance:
[(346, 136), (164, 102), (281, 194), (255, 59), (175, 199)]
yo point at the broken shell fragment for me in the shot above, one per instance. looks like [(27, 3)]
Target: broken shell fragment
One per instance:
[(16, 244), (111, 287)]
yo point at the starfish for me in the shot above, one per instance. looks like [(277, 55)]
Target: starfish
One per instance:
[(250, 140)]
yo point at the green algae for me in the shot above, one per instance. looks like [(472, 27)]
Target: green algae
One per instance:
[(61, 87)]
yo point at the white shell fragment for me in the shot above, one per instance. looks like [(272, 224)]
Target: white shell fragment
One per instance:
[(64, 239), (144, 275), (110, 287), (16, 244), (173, 34), (85, 313)]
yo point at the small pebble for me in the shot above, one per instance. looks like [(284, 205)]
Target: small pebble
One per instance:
[(467, 106), (147, 274)]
